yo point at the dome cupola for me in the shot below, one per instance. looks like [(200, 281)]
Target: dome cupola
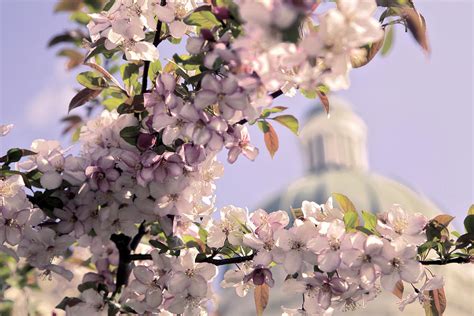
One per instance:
[(335, 141)]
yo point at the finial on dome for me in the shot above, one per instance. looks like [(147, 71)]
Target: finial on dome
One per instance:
[(337, 140)]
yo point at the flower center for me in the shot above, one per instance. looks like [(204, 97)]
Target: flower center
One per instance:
[(396, 263), (334, 244), (400, 225), (6, 190), (296, 245)]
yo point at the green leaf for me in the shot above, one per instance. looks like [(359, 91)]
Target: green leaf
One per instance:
[(109, 5), (289, 121), (370, 221), (112, 103), (471, 210), (309, 94), (158, 244), (15, 154), (423, 248), (465, 240), (66, 37), (82, 97), (276, 109), (388, 42), (91, 80), (68, 301), (130, 134), (364, 230), (154, 70), (344, 202), (351, 220), (107, 75), (87, 285), (129, 74), (469, 223), (80, 17), (203, 19)]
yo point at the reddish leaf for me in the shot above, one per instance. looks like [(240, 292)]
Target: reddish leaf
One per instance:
[(368, 53), (324, 100), (417, 26), (444, 219), (398, 290), (261, 296), (74, 56), (271, 140), (82, 97), (68, 5), (436, 304)]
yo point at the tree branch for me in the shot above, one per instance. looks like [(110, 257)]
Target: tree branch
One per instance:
[(136, 240), (444, 262), (156, 41), (221, 262), (274, 95), (211, 260), (122, 242)]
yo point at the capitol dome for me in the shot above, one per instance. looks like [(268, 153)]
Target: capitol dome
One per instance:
[(335, 152)]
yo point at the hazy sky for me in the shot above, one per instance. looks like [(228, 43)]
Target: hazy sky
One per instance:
[(418, 110)]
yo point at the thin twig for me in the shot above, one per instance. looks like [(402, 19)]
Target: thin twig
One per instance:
[(156, 41), (274, 95), (444, 262), (211, 260), (136, 240)]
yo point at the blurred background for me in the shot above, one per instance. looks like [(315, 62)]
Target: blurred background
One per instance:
[(414, 115)]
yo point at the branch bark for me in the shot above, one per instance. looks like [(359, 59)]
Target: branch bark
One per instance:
[(156, 41), (211, 260), (444, 262)]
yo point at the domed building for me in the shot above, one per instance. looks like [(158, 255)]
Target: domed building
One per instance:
[(335, 151)]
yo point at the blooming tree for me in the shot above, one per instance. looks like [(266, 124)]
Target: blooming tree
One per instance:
[(140, 194)]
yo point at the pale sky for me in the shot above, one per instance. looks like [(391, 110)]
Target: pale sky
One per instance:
[(418, 110)]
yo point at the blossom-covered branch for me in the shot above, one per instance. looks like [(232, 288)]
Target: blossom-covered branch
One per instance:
[(139, 197)]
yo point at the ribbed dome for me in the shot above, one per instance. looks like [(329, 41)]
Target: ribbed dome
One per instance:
[(368, 192), (337, 141)]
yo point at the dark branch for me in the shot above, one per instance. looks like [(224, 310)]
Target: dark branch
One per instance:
[(122, 242), (444, 262), (156, 41), (221, 262), (140, 256), (276, 94), (136, 240), (211, 260)]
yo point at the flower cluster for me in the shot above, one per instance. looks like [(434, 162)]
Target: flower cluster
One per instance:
[(271, 45), (335, 267), (125, 25), (178, 285)]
